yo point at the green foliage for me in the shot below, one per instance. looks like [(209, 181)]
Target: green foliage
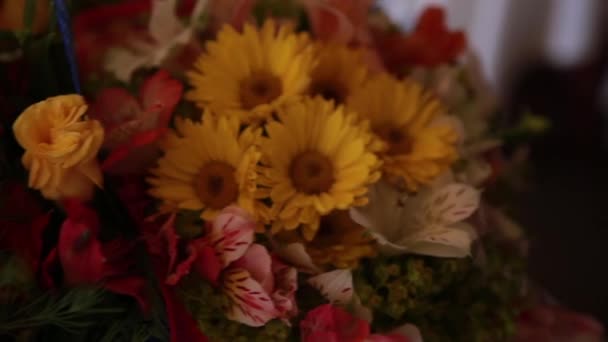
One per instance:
[(188, 224), (529, 126), (207, 305), (79, 314), (136, 328), (74, 311), (448, 299)]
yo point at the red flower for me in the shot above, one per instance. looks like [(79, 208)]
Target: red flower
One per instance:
[(86, 261), (22, 222), (340, 21), (551, 323), (234, 13), (333, 324), (162, 243), (329, 323), (133, 126), (430, 45), (182, 326), (111, 25)]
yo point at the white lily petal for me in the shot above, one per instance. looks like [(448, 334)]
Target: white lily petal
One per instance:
[(164, 23), (386, 247), (336, 286), (475, 172), (453, 242), (199, 7), (295, 254), (122, 63), (163, 51), (167, 31), (384, 214), (451, 204), (361, 218)]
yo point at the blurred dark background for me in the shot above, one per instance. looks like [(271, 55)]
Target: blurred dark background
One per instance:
[(565, 207)]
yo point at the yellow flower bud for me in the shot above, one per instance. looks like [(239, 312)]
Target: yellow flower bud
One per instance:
[(61, 147)]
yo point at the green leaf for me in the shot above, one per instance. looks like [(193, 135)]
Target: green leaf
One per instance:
[(28, 20), (75, 311)]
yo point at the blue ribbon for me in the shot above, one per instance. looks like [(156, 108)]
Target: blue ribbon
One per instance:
[(63, 20)]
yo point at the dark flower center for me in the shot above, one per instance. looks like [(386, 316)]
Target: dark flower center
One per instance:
[(216, 185), (396, 138), (259, 88), (329, 90), (311, 173)]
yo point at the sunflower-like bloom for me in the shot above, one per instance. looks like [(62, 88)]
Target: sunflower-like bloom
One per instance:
[(247, 74), (420, 139), (340, 70), (316, 158), (207, 166)]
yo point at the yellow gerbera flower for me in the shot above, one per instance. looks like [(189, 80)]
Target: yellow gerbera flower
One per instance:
[(247, 74), (207, 166), (420, 139), (340, 70), (316, 158)]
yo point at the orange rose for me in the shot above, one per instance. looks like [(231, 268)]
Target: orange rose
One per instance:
[(61, 146)]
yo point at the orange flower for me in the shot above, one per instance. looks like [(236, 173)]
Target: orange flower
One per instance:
[(430, 45), (61, 146)]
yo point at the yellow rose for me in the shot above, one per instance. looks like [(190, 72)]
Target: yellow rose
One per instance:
[(61, 147)]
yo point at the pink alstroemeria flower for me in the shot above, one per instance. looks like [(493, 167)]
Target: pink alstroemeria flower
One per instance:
[(260, 286), (134, 125), (330, 323)]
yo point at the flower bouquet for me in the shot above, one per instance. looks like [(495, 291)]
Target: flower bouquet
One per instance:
[(265, 171)]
